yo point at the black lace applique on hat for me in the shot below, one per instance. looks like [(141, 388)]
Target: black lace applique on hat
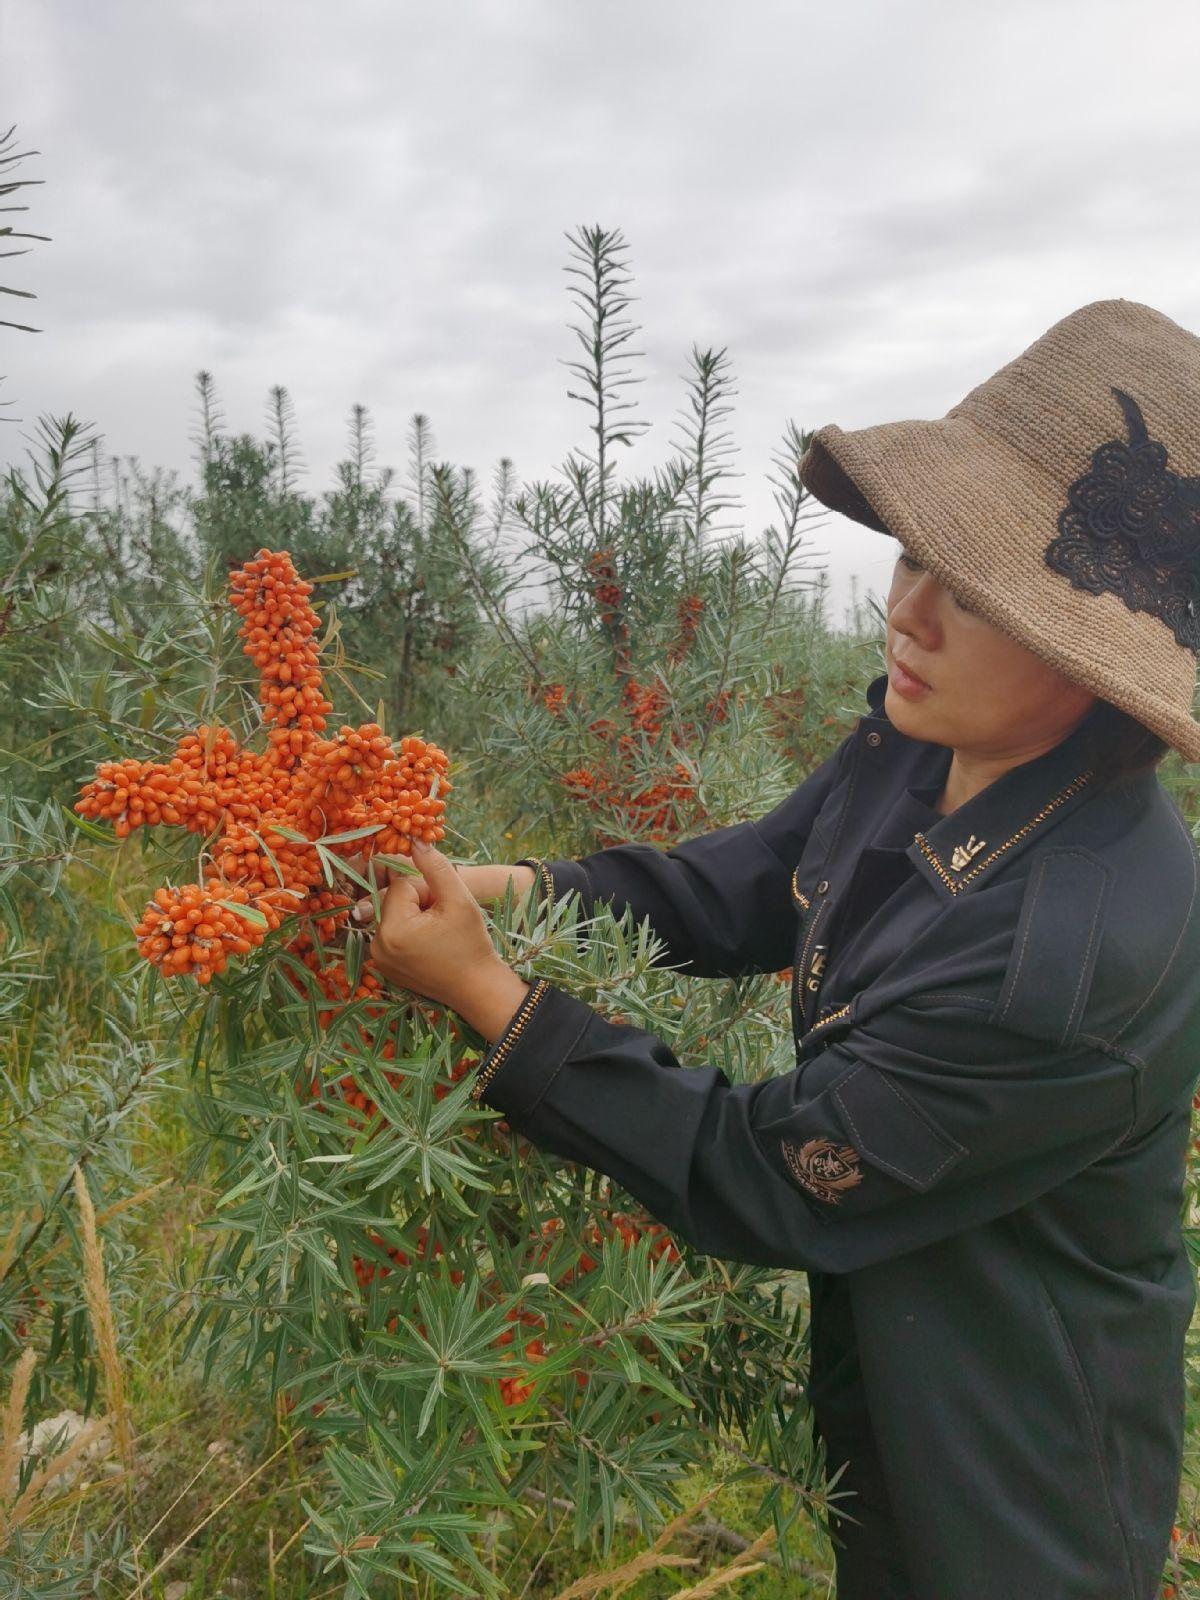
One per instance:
[(1132, 528)]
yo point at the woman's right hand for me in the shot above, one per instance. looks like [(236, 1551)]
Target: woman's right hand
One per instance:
[(487, 883)]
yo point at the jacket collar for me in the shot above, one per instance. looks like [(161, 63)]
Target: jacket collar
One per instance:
[(964, 849)]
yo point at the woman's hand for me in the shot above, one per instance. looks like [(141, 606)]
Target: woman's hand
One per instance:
[(432, 940), (486, 883)]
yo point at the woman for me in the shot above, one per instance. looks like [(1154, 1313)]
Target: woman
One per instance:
[(989, 902)]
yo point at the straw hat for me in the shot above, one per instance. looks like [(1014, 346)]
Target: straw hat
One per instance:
[(1060, 500)]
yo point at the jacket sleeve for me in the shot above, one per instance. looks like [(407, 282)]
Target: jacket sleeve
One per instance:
[(927, 1120), (721, 902)]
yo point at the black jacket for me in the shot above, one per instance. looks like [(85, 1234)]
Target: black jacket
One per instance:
[(981, 1148)]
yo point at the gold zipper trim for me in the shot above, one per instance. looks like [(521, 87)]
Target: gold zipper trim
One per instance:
[(955, 884), (803, 898), (485, 1074), (543, 877), (823, 1022), (808, 939)]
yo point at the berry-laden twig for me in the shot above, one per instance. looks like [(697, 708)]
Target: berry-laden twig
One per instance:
[(657, 812), (267, 806)]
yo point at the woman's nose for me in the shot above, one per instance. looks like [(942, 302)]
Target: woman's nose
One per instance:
[(917, 609)]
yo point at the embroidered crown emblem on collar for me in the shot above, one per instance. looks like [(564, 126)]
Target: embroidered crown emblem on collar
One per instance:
[(963, 852)]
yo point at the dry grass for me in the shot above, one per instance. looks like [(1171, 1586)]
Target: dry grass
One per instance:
[(740, 1567), (95, 1287), (16, 1507), (657, 1558), (10, 1435)]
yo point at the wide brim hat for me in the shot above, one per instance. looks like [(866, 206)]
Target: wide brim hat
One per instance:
[(1061, 501)]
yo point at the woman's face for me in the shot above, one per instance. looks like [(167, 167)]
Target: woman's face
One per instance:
[(987, 694)]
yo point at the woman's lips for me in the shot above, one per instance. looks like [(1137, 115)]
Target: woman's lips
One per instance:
[(906, 682)]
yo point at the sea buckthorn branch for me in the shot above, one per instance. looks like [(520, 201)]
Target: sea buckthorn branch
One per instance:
[(276, 813), (658, 810), (277, 818)]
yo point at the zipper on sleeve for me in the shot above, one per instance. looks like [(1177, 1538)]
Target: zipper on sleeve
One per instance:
[(492, 1063)]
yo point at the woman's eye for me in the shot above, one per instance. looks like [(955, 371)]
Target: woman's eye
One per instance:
[(910, 564)]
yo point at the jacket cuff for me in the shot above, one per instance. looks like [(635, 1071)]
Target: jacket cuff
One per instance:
[(556, 878), (523, 1062)]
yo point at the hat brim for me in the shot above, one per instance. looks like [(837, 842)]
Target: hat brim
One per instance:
[(973, 512)]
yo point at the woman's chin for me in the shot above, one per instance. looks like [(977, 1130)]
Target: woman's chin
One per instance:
[(911, 717)]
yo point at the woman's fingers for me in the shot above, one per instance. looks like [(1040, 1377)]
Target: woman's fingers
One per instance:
[(412, 891), (365, 865)]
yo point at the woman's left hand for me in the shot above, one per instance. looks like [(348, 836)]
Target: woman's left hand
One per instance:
[(432, 938)]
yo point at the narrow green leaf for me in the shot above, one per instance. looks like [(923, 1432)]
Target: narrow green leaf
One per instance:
[(326, 860), (353, 956), (354, 833), (88, 827), (250, 913), (400, 864), (289, 833), (433, 1394)]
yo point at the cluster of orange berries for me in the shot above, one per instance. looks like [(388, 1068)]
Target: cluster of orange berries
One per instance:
[(207, 778), (514, 1391), (659, 810), (606, 591), (192, 930), (367, 1272), (348, 1088), (653, 811), (278, 624), (302, 784), (644, 705), (555, 698), (689, 611)]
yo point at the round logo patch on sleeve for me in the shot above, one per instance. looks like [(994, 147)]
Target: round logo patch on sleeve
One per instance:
[(825, 1169)]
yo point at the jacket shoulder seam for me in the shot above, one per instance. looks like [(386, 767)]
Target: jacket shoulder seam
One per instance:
[(978, 1002), (1179, 822)]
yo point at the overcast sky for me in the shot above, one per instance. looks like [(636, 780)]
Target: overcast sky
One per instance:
[(871, 207)]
